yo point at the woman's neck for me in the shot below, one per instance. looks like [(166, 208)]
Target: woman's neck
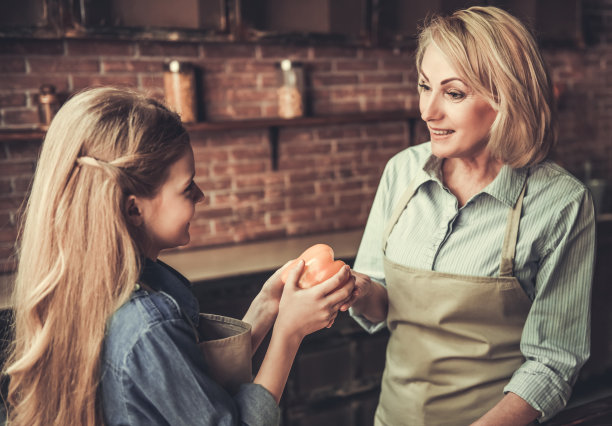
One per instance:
[(467, 177)]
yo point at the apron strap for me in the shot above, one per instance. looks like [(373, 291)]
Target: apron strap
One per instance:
[(506, 266)]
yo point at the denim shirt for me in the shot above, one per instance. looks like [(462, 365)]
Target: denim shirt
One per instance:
[(153, 372)]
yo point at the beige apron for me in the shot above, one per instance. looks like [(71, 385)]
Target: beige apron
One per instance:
[(226, 346), (454, 340)]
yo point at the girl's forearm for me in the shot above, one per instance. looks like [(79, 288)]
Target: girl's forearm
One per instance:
[(276, 365), (261, 315)]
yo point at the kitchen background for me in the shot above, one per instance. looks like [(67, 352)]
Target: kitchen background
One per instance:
[(270, 179)]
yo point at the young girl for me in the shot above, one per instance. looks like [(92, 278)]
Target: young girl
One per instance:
[(104, 331)]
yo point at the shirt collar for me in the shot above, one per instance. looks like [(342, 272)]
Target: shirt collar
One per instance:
[(506, 187), (431, 172), (161, 277)]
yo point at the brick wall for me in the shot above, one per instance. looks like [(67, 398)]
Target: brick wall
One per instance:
[(326, 175), (584, 77), (325, 181), (238, 80)]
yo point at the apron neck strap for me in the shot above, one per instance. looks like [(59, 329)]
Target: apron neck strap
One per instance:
[(506, 267), (397, 212)]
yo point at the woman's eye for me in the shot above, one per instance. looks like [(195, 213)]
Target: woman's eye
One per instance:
[(456, 95), (423, 86)]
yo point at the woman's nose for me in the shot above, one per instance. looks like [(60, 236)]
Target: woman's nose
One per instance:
[(430, 107)]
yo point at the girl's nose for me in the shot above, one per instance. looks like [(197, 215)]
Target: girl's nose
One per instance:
[(198, 195)]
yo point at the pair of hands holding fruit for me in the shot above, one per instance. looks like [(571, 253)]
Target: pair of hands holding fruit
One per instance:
[(303, 296), (313, 288)]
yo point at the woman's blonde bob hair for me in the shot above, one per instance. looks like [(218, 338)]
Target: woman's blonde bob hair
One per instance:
[(79, 259), (498, 58)]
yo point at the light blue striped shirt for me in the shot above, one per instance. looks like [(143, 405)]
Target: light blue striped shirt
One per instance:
[(554, 256)]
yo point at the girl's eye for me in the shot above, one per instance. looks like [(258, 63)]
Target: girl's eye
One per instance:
[(190, 187), (423, 86)]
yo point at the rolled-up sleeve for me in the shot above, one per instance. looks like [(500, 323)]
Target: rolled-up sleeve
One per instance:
[(163, 381), (369, 260), (556, 338)]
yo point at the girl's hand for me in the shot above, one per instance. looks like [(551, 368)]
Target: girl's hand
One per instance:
[(272, 290), (304, 311), (264, 308), (363, 286)]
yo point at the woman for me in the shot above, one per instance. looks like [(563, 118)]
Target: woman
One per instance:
[(478, 252), (107, 334)]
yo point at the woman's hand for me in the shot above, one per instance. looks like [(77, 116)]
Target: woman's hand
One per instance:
[(304, 311), (363, 287), (368, 299)]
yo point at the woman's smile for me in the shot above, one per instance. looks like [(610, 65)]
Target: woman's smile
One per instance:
[(439, 133)]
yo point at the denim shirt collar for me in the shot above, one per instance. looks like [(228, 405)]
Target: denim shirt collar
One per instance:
[(162, 277)]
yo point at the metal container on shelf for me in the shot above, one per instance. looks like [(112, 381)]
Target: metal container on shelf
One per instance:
[(180, 90), (48, 104), (291, 89)]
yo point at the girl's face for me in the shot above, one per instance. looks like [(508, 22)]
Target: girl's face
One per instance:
[(166, 216), (458, 119)]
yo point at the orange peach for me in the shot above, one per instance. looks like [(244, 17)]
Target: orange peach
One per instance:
[(319, 265)]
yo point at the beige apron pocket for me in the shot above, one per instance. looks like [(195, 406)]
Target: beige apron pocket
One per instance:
[(226, 345)]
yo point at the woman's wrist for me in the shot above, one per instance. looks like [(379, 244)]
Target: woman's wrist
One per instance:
[(374, 305)]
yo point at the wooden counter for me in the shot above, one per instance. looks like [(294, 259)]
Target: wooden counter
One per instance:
[(251, 258), (243, 259)]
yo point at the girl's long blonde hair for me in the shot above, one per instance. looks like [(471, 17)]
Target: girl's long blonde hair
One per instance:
[(78, 257)]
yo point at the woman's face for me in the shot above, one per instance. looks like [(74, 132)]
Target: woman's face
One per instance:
[(458, 118), (166, 216)]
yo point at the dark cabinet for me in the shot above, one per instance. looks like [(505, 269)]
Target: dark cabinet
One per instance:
[(346, 20), (201, 15), (146, 19), (364, 22), (554, 22), (398, 21), (26, 17)]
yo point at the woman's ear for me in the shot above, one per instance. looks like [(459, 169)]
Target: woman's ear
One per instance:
[(134, 213)]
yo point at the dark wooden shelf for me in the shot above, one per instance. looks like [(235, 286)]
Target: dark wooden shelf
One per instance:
[(262, 123), (9, 135), (250, 124), (273, 125)]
